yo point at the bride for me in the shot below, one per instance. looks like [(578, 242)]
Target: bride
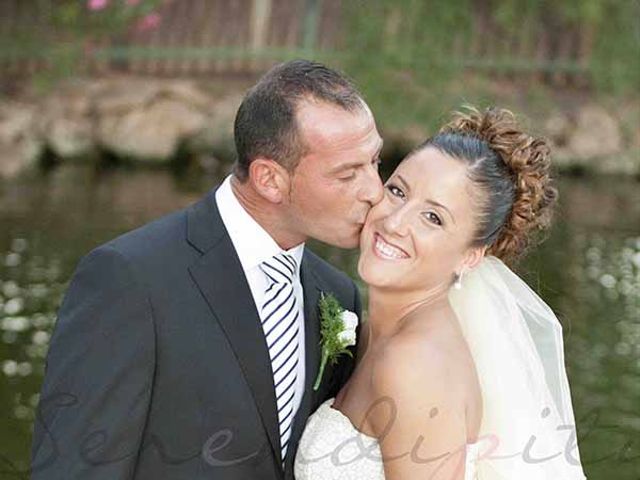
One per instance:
[(460, 369)]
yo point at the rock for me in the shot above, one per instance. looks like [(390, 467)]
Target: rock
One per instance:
[(217, 134), (151, 133), (590, 140), (149, 120), (557, 128), (15, 121), (65, 124), (19, 145), (188, 93), (116, 97), (70, 137), (596, 134), (159, 120), (140, 119)]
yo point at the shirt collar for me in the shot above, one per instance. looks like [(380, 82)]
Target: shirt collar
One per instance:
[(252, 242)]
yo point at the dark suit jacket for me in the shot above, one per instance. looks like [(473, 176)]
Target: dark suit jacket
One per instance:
[(158, 367)]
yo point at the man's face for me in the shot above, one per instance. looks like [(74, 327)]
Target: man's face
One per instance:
[(337, 181)]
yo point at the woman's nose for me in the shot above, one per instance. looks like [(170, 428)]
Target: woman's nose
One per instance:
[(396, 221)]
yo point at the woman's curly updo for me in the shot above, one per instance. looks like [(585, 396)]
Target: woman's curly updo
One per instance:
[(510, 172)]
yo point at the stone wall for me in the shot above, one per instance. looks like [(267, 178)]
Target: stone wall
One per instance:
[(143, 121), (162, 121)]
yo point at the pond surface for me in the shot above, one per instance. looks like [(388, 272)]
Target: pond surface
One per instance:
[(588, 271)]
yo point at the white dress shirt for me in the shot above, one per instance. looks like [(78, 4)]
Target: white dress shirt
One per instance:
[(253, 246)]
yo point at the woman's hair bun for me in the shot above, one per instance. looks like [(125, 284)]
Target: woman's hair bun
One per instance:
[(527, 159)]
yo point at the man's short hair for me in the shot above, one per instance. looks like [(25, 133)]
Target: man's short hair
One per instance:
[(265, 124)]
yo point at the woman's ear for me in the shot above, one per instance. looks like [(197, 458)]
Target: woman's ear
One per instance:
[(269, 179), (473, 257)]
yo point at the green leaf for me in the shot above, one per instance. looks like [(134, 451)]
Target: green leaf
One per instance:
[(331, 325)]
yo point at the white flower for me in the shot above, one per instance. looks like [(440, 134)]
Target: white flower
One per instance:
[(350, 322), (347, 337), (332, 317)]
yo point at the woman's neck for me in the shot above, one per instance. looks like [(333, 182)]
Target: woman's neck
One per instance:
[(388, 308)]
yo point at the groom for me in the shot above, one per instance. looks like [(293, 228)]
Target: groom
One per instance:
[(187, 348)]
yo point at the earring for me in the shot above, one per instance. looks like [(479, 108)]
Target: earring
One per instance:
[(458, 283)]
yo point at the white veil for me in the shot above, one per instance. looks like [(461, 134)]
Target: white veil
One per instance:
[(528, 428)]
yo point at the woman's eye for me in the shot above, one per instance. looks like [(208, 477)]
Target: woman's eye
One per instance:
[(395, 191), (432, 217)]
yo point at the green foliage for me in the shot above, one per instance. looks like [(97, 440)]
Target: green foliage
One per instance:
[(331, 325), (611, 29), (74, 18), (408, 56), (398, 52), (79, 32), (615, 63)]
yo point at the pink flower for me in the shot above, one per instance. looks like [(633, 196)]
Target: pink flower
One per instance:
[(149, 22), (96, 5)]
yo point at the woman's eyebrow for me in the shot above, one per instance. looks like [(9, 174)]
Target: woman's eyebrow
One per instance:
[(404, 183), (437, 204), (432, 202)]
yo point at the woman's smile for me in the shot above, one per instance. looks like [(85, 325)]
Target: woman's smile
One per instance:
[(386, 250)]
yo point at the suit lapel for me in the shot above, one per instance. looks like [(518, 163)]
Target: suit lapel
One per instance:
[(220, 277), (312, 288)]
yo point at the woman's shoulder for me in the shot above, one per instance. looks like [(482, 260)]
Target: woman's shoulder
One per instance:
[(415, 360), (413, 375)]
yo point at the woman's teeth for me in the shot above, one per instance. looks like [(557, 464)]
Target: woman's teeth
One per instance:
[(388, 251)]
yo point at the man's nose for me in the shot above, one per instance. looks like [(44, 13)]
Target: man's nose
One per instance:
[(372, 190)]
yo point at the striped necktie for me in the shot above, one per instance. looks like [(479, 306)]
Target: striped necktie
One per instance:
[(279, 314)]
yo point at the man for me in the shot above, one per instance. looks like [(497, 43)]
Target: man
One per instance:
[(187, 349)]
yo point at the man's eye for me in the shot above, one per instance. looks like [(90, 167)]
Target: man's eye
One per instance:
[(432, 217), (395, 191), (348, 178)]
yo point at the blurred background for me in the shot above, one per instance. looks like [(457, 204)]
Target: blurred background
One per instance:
[(114, 112)]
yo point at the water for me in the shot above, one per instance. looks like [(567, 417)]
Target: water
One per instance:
[(588, 271)]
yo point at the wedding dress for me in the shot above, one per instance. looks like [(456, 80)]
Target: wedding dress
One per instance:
[(528, 428), (331, 448)]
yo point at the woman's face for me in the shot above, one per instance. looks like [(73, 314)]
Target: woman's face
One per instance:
[(418, 236)]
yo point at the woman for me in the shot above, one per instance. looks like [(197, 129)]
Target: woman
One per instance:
[(463, 382)]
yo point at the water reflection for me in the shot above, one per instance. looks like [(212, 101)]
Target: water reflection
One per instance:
[(597, 294), (30, 289), (588, 270)]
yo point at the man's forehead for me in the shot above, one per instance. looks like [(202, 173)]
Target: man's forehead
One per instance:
[(325, 125)]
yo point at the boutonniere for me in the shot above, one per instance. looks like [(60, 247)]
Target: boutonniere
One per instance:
[(337, 329)]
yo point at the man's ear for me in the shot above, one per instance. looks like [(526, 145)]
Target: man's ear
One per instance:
[(269, 179)]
